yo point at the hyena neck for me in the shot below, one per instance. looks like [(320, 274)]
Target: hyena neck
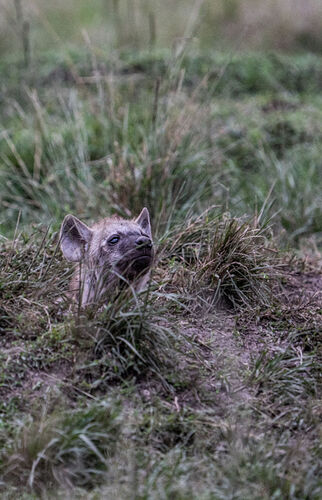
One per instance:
[(91, 285)]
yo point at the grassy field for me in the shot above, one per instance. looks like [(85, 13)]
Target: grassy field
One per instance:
[(208, 384)]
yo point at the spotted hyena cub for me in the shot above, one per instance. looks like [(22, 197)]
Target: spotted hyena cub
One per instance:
[(112, 252)]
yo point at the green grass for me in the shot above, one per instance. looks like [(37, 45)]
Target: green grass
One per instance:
[(161, 394), (207, 385), (81, 149)]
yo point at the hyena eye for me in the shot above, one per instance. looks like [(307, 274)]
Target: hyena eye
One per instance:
[(113, 240)]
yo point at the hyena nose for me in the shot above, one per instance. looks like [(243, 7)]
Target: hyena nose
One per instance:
[(143, 242)]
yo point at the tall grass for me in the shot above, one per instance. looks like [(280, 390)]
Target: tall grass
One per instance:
[(85, 159), (83, 150)]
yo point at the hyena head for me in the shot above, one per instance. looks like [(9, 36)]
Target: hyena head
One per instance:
[(111, 252)]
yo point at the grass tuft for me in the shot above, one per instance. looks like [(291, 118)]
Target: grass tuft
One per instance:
[(65, 449), (130, 337), (222, 258)]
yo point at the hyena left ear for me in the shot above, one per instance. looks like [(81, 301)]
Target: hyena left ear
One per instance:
[(144, 221), (74, 235)]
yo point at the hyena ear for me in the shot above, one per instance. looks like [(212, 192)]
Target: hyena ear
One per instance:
[(144, 221), (74, 234)]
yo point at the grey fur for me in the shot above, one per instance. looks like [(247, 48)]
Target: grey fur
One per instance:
[(112, 252)]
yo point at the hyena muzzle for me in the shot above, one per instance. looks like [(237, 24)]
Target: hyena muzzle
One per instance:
[(111, 253)]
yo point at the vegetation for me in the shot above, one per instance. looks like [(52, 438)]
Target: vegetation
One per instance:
[(207, 384)]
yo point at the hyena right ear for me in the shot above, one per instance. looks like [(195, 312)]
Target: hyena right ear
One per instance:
[(74, 235), (144, 221)]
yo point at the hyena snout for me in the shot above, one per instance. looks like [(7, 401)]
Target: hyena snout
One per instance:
[(138, 257), (135, 256), (143, 243)]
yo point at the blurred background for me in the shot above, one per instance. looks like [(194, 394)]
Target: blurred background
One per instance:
[(288, 25)]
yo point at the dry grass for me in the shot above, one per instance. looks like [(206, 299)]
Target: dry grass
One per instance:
[(216, 258)]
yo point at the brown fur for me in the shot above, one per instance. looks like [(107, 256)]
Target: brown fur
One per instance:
[(111, 253)]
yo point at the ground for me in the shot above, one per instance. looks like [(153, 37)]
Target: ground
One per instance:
[(230, 392)]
